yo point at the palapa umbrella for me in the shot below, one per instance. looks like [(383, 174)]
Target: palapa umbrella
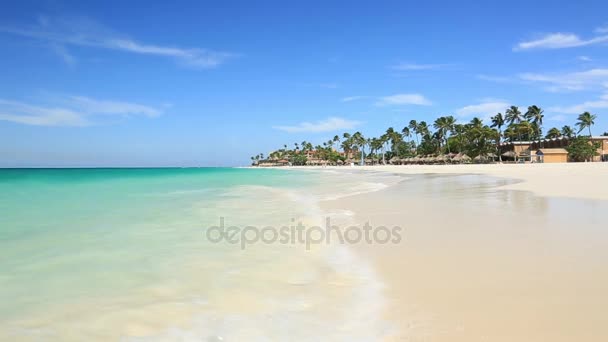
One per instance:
[(466, 159), (509, 154)]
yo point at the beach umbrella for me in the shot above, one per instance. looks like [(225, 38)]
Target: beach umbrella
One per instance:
[(509, 154), (466, 159)]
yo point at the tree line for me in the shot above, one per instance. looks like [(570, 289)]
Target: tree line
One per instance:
[(445, 135)]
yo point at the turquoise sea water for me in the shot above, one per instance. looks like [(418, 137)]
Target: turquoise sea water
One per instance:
[(98, 254)]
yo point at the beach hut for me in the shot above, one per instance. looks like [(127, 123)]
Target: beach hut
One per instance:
[(479, 159)]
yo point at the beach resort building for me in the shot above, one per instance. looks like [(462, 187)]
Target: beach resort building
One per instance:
[(549, 150)]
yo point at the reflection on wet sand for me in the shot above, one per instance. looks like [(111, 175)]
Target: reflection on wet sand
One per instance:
[(483, 264)]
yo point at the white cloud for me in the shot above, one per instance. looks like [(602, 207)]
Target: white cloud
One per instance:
[(484, 109), (588, 106), (574, 81), (85, 32), (559, 41), (70, 111), (416, 66), (404, 99), (584, 58), (327, 125), (353, 98)]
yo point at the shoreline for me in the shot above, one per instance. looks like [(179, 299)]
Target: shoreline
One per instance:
[(509, 268), (568, 180)]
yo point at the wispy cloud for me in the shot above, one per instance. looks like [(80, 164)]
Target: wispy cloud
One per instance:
[(559, 41), (417, 66), (574, 81), (584, 58), (588, 106), (329, 85), (497, 79), (602, 29), (85, 32), (557, 118), (71, 111), (353, 98), (328, 125), (404, 99), (63, 53), (485, 109)]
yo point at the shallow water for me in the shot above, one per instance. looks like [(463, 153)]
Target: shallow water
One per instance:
[(98, 254)]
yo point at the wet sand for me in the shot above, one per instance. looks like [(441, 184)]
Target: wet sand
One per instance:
[(483, 262)]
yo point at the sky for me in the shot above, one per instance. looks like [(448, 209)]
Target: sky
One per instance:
[(211, 83)]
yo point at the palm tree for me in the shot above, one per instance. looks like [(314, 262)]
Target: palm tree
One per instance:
[(497, 122), (459, 130), (359, 141), (535, 116), (406, 133), (586, 120), (513, 116), (413, 126), (568, 132), (336, 139), (444, 125), (423, 128), (375, 144), (553, 133), (383, 140)]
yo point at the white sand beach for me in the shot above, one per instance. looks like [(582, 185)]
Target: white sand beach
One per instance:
[(491, 252)]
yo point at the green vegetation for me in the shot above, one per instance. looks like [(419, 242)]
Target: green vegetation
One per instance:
[(582, 149), (444, 136)]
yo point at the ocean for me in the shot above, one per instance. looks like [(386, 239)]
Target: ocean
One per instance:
[(129, 254)]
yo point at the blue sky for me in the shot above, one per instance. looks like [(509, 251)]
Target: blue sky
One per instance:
[(196, 83)]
